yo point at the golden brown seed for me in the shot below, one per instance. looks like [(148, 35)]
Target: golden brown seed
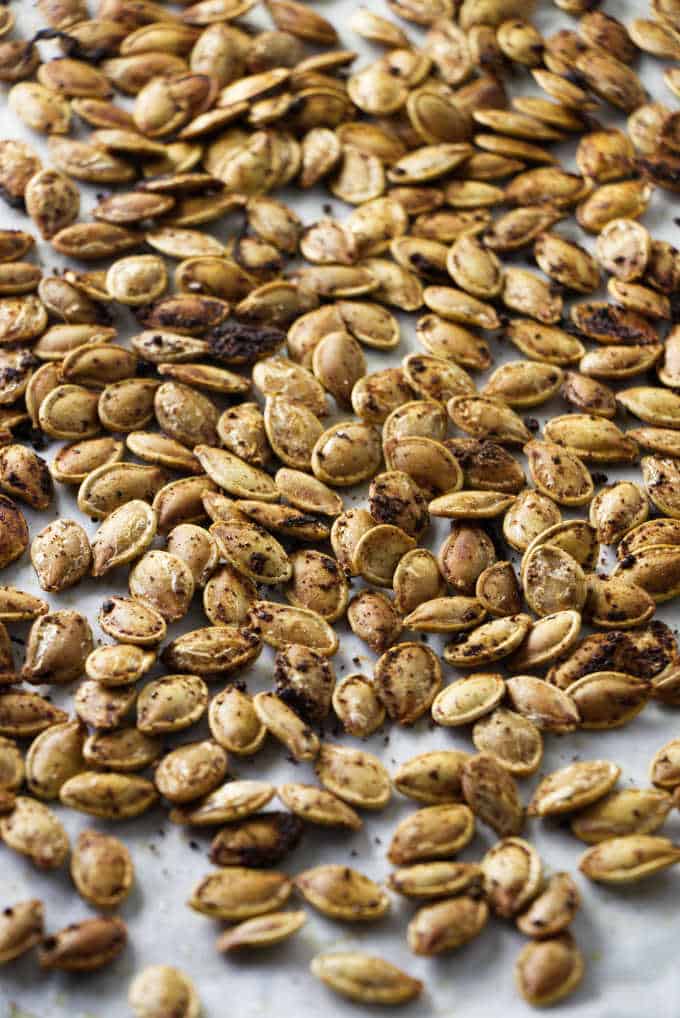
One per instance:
[(158, 987), (19, 606), (546, 706), (489, 642), (512, 875), (234, 724), (25, 714), (492, 795), (214, 650), (286, 726), (357, 706), (118, 664), (522, 385), (573, 787), (553, 581), (21, 928), (101, 869), (446, 615), (34, 830), (342, 893), (373, 618), (512, 740), (559, 475), (84, 946), (12, 768), (629, 858), (191, 771), (435, 879), (57, 647), (354, 776), (446, 925), (468, 698), (430, 833), (108, 487), (629, 811), (608, 699), (171, 704), (110, 796), (484, 417), (553, 910), (365, 979), (407, 678), (262, 931), (123, 536), (567, 263), (546, 971)]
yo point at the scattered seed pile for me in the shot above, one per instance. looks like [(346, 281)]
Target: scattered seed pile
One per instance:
[(220, 398)]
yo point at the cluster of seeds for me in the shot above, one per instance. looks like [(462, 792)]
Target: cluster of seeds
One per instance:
[(201, 451)]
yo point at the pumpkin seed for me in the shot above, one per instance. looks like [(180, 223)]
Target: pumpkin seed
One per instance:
[(190, 771), (486, 418), (512, 740), (573, 787), (446, 925), (123, 536), (159, 986), (374, 619), (461, 307), (84, 946), (544, 343), (407, 678), (521, 384), (543, 704), (446, 615), (450, 341), (545, 593), (512, 875), (25, 714), (340, 892), (548, 970), (213, 650), (284, 724), (428, 462), (629, 858), (608, 699), (468, 698), (101, 706), (18, 606), (433, 832), (101, 869), (355, 776), (588, 395), (559, 475), (357, 706), (12, 770), (489, 642), (171, 704), (553, 910), (21, 928), (654, 568), (34, 830), (262, 931), (432, 778), (435, 879), (416, 580), (528, 294), (25, 476), (620, 814), (492, 795), (57, 646)]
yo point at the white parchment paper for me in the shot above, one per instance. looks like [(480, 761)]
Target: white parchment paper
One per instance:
[(629, 936)]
